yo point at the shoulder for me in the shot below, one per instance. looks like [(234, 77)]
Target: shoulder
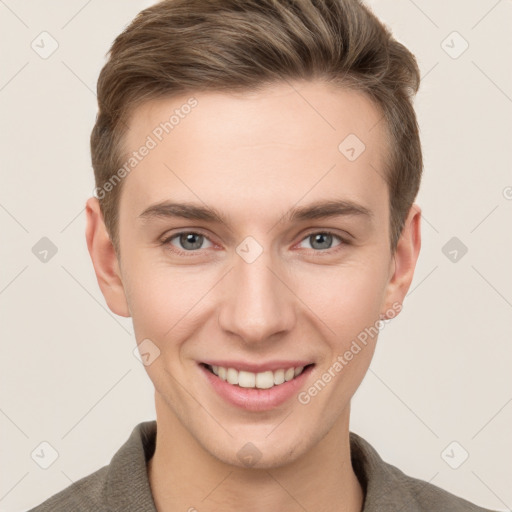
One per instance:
[(427, 497), (388, 489), (83, 495), (121, 486)]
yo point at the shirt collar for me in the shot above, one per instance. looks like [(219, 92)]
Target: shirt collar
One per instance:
[(380, 481)]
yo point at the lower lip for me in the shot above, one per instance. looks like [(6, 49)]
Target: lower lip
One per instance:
[(253, 399)]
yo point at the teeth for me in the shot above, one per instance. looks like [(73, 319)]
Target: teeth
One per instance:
[(232, 376), (278, 377), (246, 379), (262, 380)]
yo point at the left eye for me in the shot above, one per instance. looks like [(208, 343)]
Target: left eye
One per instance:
[(188, 240), (322, 240)]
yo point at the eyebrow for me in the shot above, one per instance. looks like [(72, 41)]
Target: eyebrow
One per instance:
[(317, 210)]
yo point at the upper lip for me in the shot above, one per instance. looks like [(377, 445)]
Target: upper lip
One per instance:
[(258, 367)]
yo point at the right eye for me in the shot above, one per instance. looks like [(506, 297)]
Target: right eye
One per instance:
[(189, 242)]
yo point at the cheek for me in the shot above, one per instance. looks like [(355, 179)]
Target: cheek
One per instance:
[(348, 303), (155, 298), (165, 301), (347, 300)]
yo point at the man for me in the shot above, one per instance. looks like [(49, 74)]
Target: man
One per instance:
[(256, 166)]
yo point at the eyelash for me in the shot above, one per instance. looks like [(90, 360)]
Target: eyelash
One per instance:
[(332, 250)]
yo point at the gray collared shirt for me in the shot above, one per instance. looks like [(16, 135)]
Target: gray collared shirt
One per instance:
[(123, 485)]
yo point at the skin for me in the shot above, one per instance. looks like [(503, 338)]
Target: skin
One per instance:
[(254, 156)]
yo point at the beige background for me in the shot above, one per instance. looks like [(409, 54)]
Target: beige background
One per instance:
[(441, 372)]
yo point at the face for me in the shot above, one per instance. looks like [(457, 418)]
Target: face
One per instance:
[(272, 281)]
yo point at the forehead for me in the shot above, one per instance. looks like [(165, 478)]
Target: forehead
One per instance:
[(261, 148)]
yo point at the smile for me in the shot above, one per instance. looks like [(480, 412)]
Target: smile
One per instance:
[(256, 391), (262, 380)]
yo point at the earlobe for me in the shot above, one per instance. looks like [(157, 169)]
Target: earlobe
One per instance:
[(404, 261), (104, 259)]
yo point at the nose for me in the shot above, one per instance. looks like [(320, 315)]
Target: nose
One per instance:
[(258, 302)]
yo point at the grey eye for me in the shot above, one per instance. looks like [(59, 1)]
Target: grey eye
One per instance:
[(189, 241), (321, 240)]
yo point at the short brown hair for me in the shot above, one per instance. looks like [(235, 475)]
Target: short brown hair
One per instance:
[(182, 46)]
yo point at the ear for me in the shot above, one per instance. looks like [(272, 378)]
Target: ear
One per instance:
[(104, 259), (404, 262)]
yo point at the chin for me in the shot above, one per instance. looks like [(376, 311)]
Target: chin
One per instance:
[(257, 452)]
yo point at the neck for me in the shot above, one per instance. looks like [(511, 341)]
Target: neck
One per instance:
[(185, 477)]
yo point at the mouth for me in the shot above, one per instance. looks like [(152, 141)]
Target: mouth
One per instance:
[(256, 391), (262, 380)]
